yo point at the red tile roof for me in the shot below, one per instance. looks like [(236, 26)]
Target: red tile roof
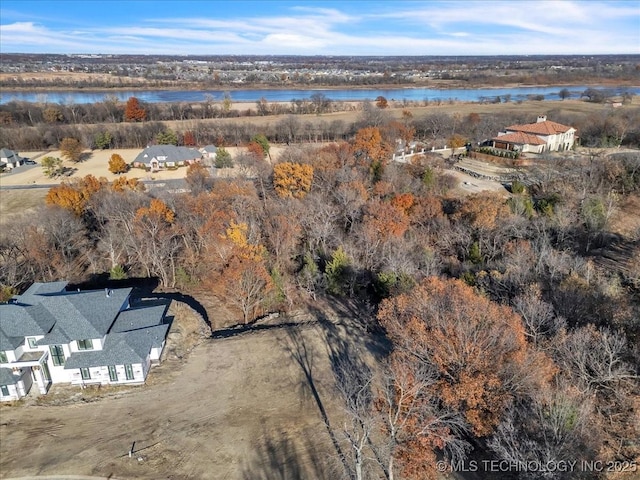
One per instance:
[(540, 128), (520, 138)]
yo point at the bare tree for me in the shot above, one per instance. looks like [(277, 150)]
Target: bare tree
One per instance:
[(538, 316), (595, 358)]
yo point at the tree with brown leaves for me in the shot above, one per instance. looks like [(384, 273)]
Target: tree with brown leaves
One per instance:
[(71, 149), (475, 347), (133, 111)]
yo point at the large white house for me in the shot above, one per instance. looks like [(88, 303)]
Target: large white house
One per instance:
[(539, 137), (51, 335)]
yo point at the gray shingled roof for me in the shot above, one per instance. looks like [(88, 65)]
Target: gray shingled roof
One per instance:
[(21, 321), (121, 348), (137, 318), (171, 152), (7, 377), (61, 316), (55, 337), (34, 293), (209, 149), (9, 155), (9, 343), (86, 314)]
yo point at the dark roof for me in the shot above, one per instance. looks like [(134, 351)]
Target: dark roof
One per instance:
[(18, 320), (7, 377), (137, 318), (9, 343), (63, 316), (60, 315), (33, 294), (121, 348), (209, 149), (10, 155), (171, 152), (86, 314)]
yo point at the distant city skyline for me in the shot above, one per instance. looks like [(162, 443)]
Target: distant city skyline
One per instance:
[(329, 27)]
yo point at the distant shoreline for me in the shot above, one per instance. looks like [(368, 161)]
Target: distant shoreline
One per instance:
[(436, 85)]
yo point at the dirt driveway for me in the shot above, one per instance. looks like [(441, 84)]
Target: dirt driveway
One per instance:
[(243, 407)]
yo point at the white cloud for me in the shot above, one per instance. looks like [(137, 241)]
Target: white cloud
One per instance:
[(403, 28)]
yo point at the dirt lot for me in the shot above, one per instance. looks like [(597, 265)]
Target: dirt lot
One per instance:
[(242, 407)]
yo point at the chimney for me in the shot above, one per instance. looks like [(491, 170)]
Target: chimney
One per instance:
[(542, 118)]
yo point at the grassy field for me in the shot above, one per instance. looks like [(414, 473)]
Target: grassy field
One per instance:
[(19, 202)]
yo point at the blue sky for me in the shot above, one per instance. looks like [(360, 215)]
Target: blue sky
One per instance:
[(327, 27)]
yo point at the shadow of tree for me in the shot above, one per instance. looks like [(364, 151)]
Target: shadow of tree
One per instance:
[(142, 288), (277, 457), (84, 156), (304, 356)]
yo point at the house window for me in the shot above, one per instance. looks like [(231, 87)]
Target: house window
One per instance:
[(3, 358), (85, 345), (57, 355), (5, 390), (32, 342), (113, 374), (129, 372), (86, 375)]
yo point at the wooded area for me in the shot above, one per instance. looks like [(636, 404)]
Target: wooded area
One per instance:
[(507, 335)]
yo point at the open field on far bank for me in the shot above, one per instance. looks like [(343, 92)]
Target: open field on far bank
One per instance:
[(395, 110)]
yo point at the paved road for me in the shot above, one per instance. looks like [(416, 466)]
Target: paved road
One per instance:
[(173, 184)]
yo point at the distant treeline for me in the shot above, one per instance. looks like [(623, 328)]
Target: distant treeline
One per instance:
[(601, 129)]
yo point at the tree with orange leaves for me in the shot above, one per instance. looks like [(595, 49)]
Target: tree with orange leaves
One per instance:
[(386, 219), (370, 145), (117, 164), (157, 210), (483, 211), (133, 112), (122, 184), (372, 150), (75, 195), (155, 241), (473, 347), (245, 283), (255, 151), (292, 179)]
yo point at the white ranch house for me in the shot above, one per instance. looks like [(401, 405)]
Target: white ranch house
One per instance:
[(50, 335), (539, 137)]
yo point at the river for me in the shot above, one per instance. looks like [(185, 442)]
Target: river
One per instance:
[(398, 94)]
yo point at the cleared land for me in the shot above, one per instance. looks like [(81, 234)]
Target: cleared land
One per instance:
[(244, 407)]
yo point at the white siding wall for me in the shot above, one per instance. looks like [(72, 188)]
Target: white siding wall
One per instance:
[(13, 394), (20, 389), (100, 375), (58, 373), (156, 352), (13, 355)]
